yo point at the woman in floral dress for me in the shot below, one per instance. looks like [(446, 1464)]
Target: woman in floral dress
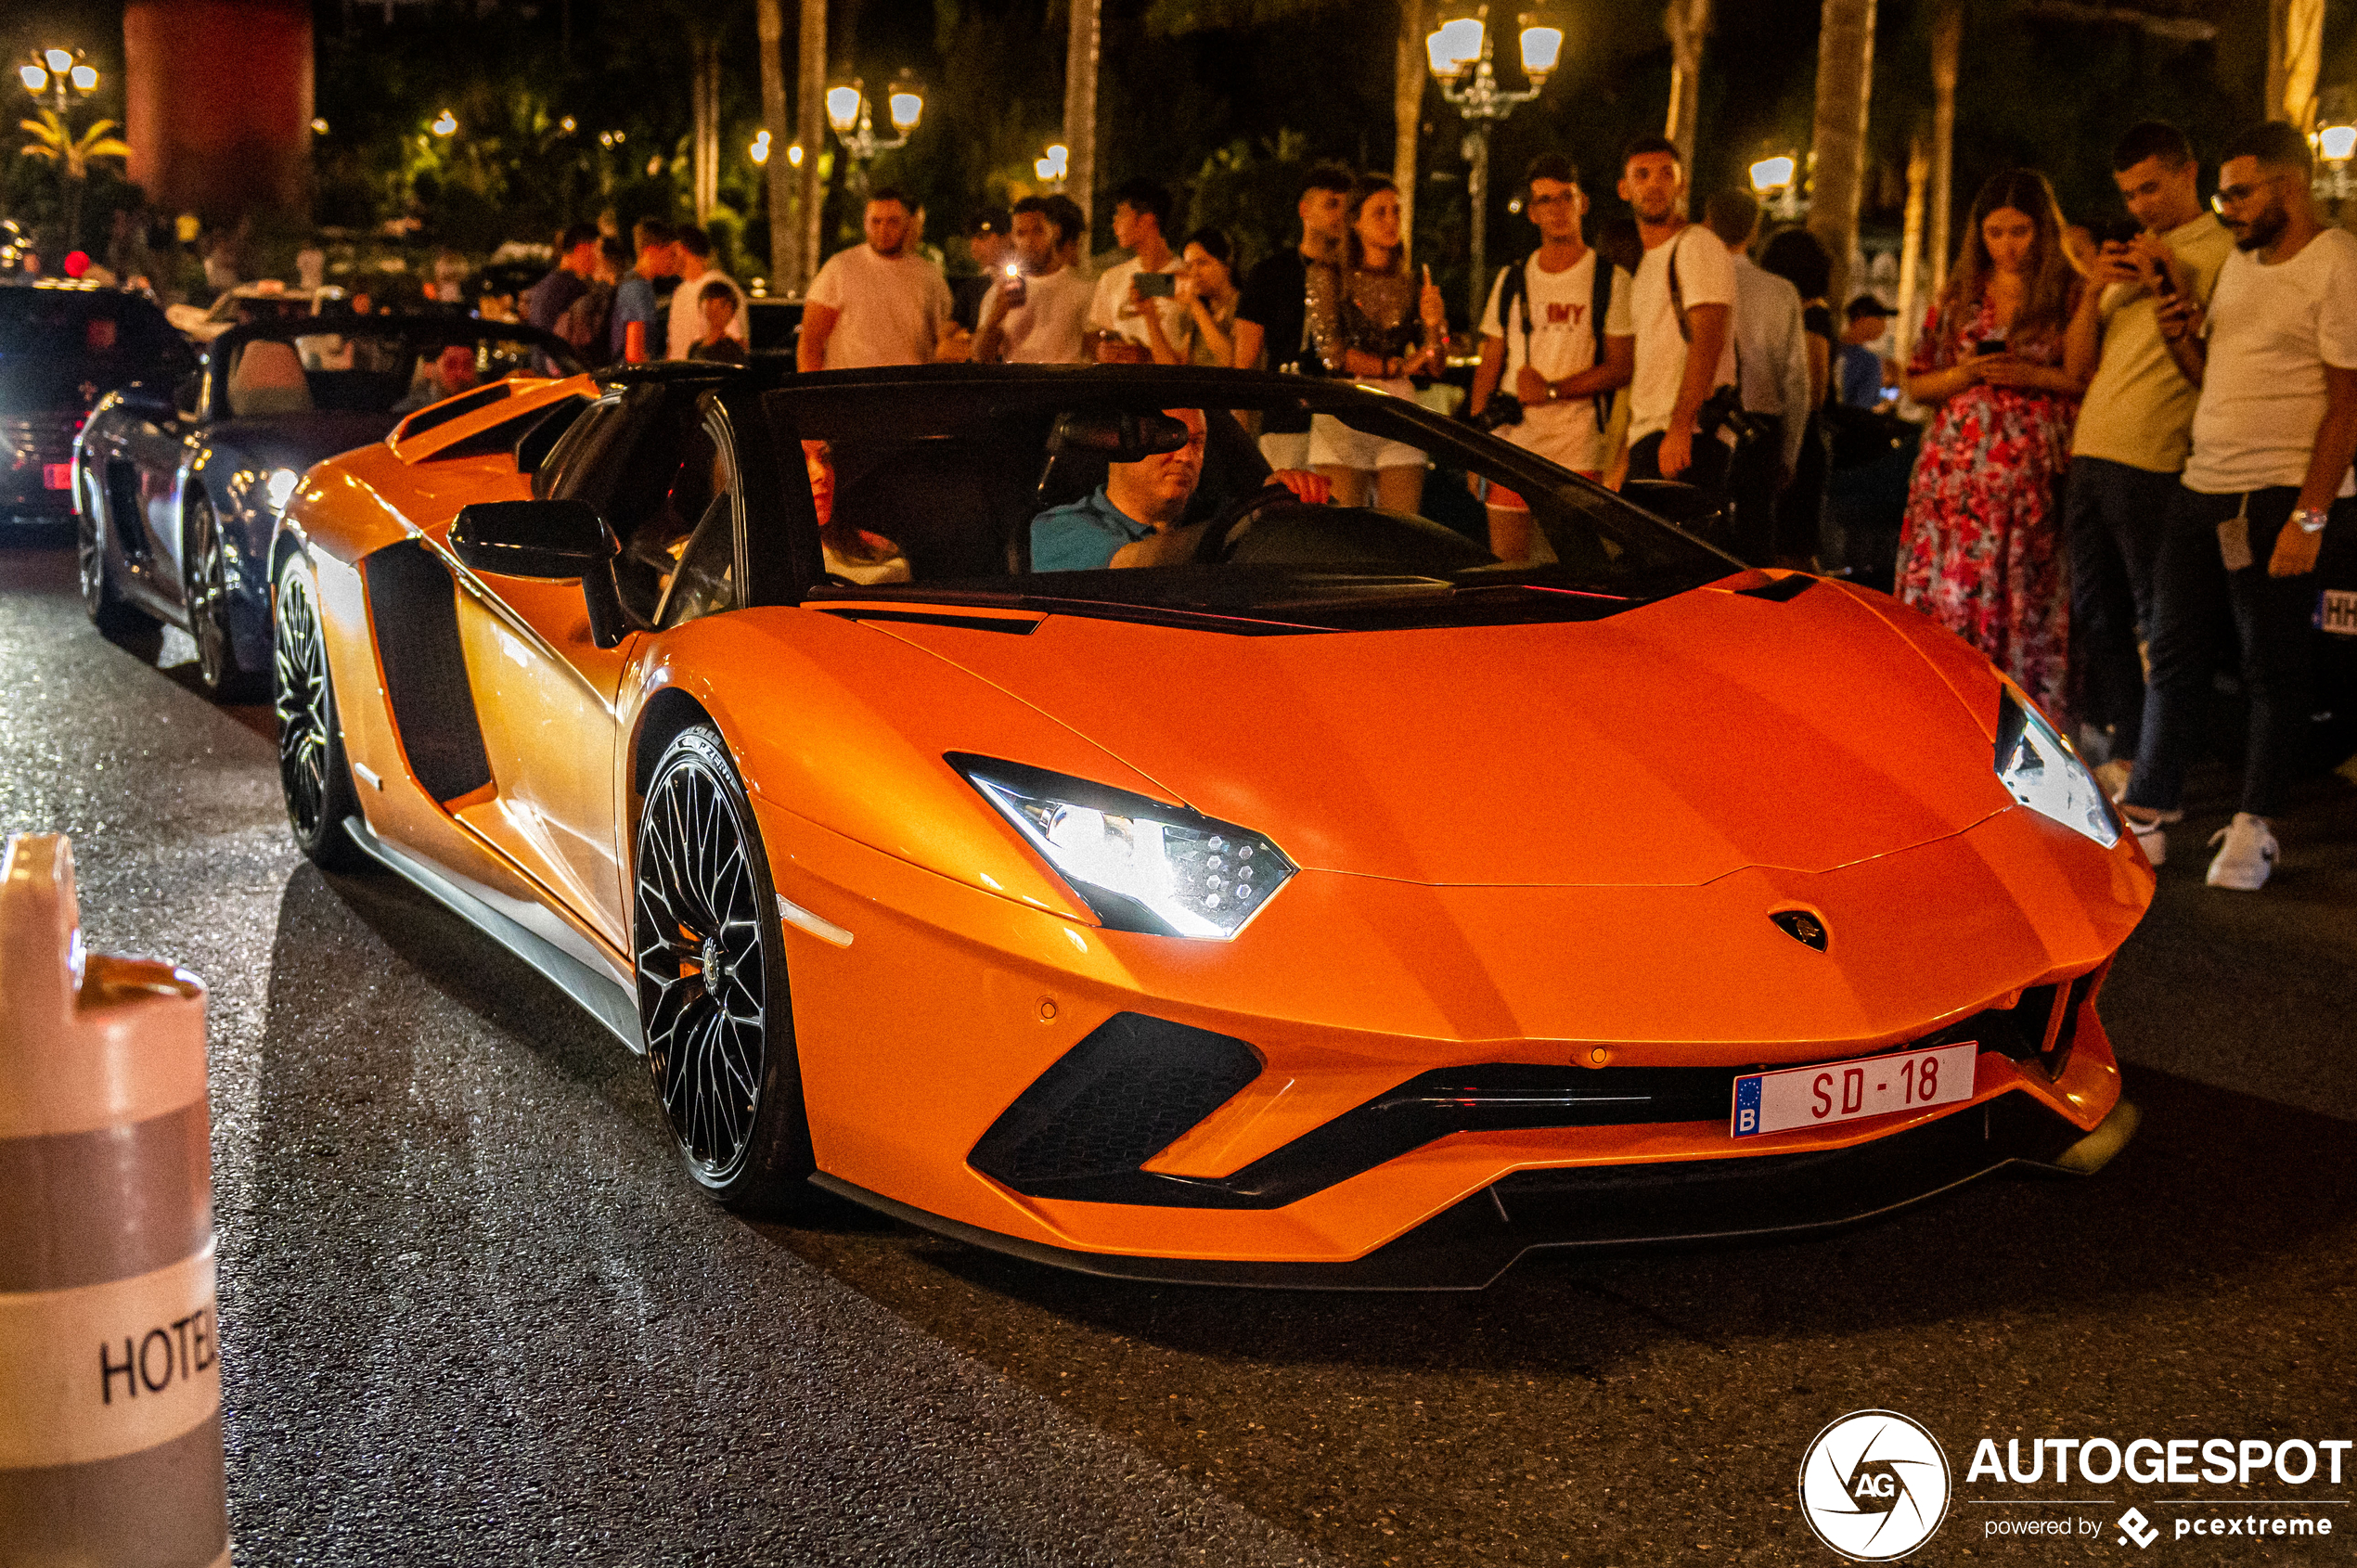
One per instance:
[(1982, 552)]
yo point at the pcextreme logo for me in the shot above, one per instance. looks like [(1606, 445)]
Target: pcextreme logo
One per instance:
[(1875, 1485)]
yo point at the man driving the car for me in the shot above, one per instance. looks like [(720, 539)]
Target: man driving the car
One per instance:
[(1133, 519)]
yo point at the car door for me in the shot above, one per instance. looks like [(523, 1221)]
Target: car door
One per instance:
[(547, 698), (159, 446)]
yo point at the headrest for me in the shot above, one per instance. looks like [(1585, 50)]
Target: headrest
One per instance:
[(268, 379)]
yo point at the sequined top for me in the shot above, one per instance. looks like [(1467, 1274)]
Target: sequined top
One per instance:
[(1372, 312)]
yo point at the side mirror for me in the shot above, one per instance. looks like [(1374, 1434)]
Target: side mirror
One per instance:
[(554, 541)]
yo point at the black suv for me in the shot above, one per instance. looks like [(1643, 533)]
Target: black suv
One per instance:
[(63, 346)]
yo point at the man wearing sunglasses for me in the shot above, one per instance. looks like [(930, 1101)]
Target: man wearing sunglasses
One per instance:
[(2275, 356)]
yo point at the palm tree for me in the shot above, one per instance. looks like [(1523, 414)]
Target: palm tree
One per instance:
[(54, 141), (1845, 86)]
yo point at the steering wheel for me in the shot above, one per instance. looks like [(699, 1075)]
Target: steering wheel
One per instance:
[(1211, 547)]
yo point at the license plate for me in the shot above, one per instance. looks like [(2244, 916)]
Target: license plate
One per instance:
[(58, 476), (1851, 1091)]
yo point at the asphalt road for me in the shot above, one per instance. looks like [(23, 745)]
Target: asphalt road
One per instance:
[(470, 1313)]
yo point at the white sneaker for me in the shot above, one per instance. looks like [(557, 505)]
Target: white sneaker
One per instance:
[(2247, 858), (2152, 835)]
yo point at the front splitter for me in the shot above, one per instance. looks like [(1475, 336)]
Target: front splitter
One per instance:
[(1468, 1245)]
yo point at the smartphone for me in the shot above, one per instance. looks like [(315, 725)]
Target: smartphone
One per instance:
[(2118, 231), (1157, 284), (1016, 291), (1989, 345)]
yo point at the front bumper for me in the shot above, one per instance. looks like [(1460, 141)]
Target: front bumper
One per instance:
[(951, 1005)]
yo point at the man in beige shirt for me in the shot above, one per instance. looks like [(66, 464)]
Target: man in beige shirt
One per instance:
[(2136, 425)]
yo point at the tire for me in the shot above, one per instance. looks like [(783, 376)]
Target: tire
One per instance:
[(313, 773), (113, 618), (204, 589), (722, 1056)]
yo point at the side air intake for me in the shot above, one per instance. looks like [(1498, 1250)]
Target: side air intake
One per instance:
[(1113, 1101)]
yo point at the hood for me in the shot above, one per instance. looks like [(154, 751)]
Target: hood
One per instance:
[(1668, 745)]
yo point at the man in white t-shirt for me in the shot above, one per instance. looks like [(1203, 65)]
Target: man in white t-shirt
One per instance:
[(1036, 315), (1683, 305), (686, 313), (1540, 345), (2275, 356), (1116, 314), (877, 303)]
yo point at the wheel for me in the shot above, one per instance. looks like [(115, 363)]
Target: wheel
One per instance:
[(712, 1002), (311, 770), (204, 586), (108, 612)]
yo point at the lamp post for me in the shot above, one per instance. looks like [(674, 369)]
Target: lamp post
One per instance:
[(2336, 143), (853, 118), (1463, 52), (1776, 181), (56, 72), (1054, 167)]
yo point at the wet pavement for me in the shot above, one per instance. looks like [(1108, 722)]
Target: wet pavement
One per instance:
[(471, 1311)]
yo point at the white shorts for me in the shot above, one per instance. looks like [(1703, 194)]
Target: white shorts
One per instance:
[(1287, 449), (1333, 444)]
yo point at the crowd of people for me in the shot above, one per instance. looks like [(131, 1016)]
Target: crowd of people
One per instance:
[(2131, 439)]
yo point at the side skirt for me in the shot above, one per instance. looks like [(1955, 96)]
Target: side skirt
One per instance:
[(595, 994)]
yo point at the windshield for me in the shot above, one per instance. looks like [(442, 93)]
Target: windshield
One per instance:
[(357, 371), (967, 499)]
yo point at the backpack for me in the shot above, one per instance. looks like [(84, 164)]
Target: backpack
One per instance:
[(1514, 288)]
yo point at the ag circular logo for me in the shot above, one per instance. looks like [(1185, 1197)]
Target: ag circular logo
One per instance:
[(1875, 1485)]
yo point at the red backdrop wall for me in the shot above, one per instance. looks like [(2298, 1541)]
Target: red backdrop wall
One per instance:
[(219, 105)]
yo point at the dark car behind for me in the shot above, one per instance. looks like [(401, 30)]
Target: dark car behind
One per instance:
[(63, 346)]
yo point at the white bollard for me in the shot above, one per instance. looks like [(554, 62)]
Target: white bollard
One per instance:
[(109, 1353)]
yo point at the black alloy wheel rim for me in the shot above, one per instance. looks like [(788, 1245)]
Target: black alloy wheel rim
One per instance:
[(90, 551), (208, 598), (299, 684), (701, 985)]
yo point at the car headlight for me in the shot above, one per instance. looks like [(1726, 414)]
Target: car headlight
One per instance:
[(281, 485), (2043, 773), (1140, 865)]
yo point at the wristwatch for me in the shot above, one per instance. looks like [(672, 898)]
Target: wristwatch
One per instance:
[(2311, 520)]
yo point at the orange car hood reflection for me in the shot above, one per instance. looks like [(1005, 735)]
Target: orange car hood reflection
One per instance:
[(1668, 745)]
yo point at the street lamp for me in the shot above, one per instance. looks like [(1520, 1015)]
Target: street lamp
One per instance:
[(2336, 144), (1463, 52), (1777, 184), (445, 124), (58, 72), (759, 151), (1053, 168), (852, 117)]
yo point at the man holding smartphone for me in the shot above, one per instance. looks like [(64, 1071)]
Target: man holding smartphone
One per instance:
[(1128, 290), (2273, 435), (2136, 425)]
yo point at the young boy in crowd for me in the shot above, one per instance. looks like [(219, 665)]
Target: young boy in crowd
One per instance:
[(718, 303)]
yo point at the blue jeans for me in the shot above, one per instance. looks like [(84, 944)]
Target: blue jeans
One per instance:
[(2272, 618), (2113, 518)]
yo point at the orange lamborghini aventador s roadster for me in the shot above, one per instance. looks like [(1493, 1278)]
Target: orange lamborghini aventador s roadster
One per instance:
[(984, 795)]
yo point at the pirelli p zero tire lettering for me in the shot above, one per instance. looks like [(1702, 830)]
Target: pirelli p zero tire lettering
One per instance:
[(204, 586), (713, 1003), (313, 773)]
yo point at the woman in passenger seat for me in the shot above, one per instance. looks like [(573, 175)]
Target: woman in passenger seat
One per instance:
[(851, 553)]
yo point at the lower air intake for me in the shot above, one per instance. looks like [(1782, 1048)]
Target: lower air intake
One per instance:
[(1113, 1101)]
